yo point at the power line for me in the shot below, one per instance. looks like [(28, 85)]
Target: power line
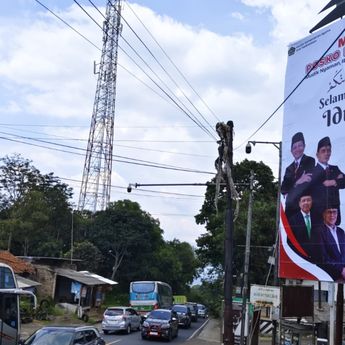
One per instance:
[(172, 62), (152, 165), (94, 45), (291, 92), (190, 115), (163, 68)]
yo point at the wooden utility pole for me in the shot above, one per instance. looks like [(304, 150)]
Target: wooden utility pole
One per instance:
[(225, 132)]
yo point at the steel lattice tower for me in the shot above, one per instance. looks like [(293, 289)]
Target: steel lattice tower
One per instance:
[(96, 182)]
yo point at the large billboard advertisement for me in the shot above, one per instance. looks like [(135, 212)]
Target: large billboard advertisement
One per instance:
[(312, 239)]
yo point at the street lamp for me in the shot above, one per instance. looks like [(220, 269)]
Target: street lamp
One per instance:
[(278, 145)]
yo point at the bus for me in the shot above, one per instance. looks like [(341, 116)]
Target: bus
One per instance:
[(145, 296), (9, 306)]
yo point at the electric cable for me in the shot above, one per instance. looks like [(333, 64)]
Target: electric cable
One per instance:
[(292, 91), (172, 62), (190, 115), (154, 57), (116, 160)]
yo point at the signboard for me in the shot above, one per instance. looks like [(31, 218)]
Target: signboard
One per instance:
[(265, 295), (267, 298), (298, 301), (313, 158)]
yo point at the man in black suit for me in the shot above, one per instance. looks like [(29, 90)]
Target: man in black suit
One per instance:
[(326, 180), (297, 174), (303, 227), (332, 244)]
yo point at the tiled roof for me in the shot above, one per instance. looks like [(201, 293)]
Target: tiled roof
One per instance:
[(18, 265)]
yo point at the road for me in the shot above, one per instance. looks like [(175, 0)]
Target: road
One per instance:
[(135, 337)]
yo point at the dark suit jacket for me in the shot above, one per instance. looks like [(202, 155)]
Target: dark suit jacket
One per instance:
[(332, 261), (288, 187), (323, 196), (310, 245)]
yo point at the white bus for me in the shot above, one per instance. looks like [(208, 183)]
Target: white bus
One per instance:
[(9, 306), (145, 296)]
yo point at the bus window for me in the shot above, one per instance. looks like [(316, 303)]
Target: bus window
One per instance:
[(9, 310)]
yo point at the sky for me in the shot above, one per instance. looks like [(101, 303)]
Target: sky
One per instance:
[(232, 52)]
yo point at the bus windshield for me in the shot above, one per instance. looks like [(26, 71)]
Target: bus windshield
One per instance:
[(143, 287), (6, 278)]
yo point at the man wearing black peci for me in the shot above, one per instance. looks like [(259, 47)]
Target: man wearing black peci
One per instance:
[(326, 180), (297, 174)]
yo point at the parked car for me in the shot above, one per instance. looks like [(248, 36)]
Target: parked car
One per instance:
[(202, 311), (160, 323), (194, 309), (123, 319), (86, 335), (184, 314)]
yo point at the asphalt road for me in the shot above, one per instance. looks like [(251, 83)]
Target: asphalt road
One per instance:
[(135, 337)]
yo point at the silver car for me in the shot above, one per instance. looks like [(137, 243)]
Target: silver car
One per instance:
[(123, 319)]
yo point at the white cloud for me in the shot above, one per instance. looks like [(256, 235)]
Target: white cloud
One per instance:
[(46, 72)]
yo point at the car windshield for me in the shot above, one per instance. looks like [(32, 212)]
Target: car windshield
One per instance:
[(50, 337), (179, 308), (160, 315), (113, 312), (200, 307)]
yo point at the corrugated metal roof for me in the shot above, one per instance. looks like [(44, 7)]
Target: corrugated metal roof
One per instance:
[(81, 277), (24, 283), (105, 280)]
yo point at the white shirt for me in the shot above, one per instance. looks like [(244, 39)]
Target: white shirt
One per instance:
[(334, 234)]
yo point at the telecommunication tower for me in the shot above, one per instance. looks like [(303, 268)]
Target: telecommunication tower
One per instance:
[(96, 183)]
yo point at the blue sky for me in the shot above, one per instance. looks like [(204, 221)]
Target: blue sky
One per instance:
[(232, 52)]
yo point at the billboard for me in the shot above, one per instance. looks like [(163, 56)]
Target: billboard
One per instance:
[(312, 217)]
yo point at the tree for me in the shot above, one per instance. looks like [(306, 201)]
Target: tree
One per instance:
[(129, 239), (89, 254), (35, 209), (211, 244)]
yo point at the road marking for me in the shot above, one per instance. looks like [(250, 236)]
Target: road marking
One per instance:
[(114, 342), (198, 330)]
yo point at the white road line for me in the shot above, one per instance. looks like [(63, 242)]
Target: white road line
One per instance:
[(198, 330), (114, 342)]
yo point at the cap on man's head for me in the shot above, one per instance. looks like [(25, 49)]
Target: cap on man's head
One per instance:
[(326, 141), (297, 137)]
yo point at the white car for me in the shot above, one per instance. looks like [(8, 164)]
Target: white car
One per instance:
[(124, 319)]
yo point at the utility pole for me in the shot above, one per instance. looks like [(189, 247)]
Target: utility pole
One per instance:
[(339, 315), (246, 258), (225, 149)]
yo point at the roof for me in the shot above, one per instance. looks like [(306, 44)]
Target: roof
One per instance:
[(18, 265), (105, 280), (24, 283), (83, 277)]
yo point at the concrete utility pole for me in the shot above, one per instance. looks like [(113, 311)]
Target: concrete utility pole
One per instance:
[(246, 258), (225, 149), (339, 315)]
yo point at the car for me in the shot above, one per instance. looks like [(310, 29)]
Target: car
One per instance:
[(194, 309), (123, 319), (160, 323), (184, 314), (202, 311), (65, 335)]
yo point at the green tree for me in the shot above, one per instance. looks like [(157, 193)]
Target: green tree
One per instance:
[(128, 238), (89, 254), (35, 213), (211, 244)]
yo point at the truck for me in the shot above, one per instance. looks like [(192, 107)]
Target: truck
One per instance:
[(9, 306), (180, 299)]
